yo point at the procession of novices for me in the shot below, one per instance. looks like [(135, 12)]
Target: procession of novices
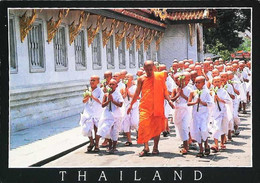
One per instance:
[(203, 98)]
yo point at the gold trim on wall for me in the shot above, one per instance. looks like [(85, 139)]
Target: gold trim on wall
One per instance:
[(53, 26), (26, 24), (159, 37), (107, 34), (149, 39), (130, 38), (74, 30), (120, 36), (92, 32), (140, 39)]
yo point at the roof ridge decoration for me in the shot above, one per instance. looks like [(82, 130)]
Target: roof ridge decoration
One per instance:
[(74, 30), (53, 26), (139, 17), (107, 34), (160, 13), (130, 38), (120, 36), (26, 24), (139, 40), (92, 32), (149, 39), (159, 37)]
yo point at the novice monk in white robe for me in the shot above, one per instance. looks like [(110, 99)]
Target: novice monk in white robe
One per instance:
[(200, 99), (243, 76), (235, 84), (131, 120), (167, 108), (182, 115), (110, 118), (220, 123), (228, 87), (90, 118)]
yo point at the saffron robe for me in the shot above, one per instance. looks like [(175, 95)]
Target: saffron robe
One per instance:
[(151, 108)]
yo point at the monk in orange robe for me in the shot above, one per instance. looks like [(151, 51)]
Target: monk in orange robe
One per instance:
[(153, 92)]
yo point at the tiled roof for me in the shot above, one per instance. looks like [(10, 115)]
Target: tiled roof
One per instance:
[(172, 15), (139, 17), (191, 15)]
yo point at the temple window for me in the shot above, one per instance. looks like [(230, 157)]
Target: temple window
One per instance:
[(36, 47), (110, 53), (132, 56), (79, 45), (121, 55), (60, 50), (96, 53)]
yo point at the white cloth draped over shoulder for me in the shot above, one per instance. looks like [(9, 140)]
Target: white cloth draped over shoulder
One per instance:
[(221, 119), (109, 121), (182, 115), (199, 128), (91, 113)]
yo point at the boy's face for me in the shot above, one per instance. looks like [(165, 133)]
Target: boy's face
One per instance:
[(181, 64), (94, 82), (108, 77), (241, 66), (193, 77), (230, 76), (206, 66), (216, 82), (198, 69), (177, 81), (228, 68), (187, 79), (129, 78), (199, 83), (224, 78), (234, 67), (113, 85), (116, 77), (211, 67), (175, 66), (139, 73), (220, 68)]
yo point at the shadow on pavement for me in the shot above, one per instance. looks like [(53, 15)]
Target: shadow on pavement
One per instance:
[(232, 151)]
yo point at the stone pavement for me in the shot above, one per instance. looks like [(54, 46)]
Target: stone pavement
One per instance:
[(237, 154), (38, 143)]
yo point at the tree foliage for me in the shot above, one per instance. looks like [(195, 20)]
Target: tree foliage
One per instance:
[(223, 39)]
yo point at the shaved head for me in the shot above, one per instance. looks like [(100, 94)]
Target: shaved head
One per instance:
[(95, 77), (149, 62)]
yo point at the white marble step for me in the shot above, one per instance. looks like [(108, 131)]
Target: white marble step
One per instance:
[(38, 118)]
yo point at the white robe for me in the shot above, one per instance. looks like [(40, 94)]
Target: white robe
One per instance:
[(220, 123), (91, 113), (199, 125), (123, 109), (182, 115), (243, 89), (170, 84), (109, 121), (236, 102), (131, 121), (229, 107)]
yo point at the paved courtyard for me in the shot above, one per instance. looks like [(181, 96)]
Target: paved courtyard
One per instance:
[(237, 154)]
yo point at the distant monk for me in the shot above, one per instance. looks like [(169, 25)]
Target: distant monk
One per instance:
[(151, 108)]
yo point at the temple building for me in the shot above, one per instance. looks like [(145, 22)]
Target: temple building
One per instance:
[(53, 52)]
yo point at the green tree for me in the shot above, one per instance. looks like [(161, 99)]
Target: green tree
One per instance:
[(223, 39)]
